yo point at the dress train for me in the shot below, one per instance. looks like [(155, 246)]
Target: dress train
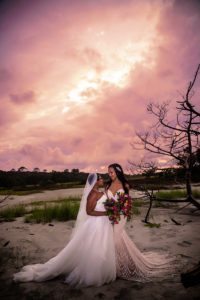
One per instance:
[(132, 264), (88, 259)]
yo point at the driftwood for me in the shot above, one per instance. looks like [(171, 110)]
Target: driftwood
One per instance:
[(176, 222), (191, 277), (153, 198), (5, 198), (6, 243)]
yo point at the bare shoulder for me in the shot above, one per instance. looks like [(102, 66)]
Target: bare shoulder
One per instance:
[(92, 195), (127, 186)]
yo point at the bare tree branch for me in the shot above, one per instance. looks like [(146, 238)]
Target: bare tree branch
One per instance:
[(177, 139)]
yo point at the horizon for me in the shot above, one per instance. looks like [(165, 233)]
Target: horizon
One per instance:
[(76, 78)]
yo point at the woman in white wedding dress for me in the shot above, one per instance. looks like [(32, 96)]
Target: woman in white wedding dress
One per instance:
[(89, 257), (131, 264)]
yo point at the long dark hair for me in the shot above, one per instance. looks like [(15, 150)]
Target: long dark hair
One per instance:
[(120, 175)]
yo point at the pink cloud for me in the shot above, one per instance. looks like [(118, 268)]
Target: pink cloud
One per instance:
[(114, 55), (24, 98)]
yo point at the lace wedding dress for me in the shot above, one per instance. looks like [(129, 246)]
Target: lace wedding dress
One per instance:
[(88, 259), (97, 253), (132, 264)]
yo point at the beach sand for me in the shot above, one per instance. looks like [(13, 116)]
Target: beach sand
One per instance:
[(22, 244), (46, 195), (49, 195)]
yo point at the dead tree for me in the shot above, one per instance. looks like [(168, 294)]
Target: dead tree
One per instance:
[(149, 191), (147, 169), (148, 194), (177, 139)]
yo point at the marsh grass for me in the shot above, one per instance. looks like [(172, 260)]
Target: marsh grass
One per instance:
[(135, 210), (59, 200), (152, 225), (10, 213), (43, 211), (60, 212), (174, 194), (138, 203), (27, 190)]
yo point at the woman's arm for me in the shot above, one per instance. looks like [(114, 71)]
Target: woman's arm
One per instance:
[(91, 204), (128, 187)]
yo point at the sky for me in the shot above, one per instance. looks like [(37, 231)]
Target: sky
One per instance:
[(76, 77)]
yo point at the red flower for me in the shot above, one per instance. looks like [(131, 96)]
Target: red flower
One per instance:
[(121, 206)]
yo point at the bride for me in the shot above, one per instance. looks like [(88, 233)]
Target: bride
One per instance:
[(131, 264), (98, 252), (89, 257)]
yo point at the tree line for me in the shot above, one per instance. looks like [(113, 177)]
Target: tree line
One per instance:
[(43, 179), (24, 178)]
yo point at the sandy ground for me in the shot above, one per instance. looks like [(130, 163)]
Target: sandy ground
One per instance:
[(48, 195), (22, 243), (42, 196)]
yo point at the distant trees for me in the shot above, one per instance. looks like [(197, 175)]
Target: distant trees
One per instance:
[(177, 139), (36, 170), (75, 171), (32, 179), (22, 169)]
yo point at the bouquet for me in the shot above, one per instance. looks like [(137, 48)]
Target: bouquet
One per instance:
[(116, 208)]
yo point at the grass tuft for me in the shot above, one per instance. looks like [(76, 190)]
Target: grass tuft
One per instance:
[(60, 212), (62, 209), (138, 203), (59, 200), (10, 213), (152, 225), (136, 210), (174, 194)]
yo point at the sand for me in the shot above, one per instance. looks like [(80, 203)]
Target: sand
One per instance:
[(41, 196), (22, 243), (48, 195)]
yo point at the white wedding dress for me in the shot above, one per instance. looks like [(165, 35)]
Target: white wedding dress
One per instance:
[(98, 252), (88, 259), (132, 264)]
